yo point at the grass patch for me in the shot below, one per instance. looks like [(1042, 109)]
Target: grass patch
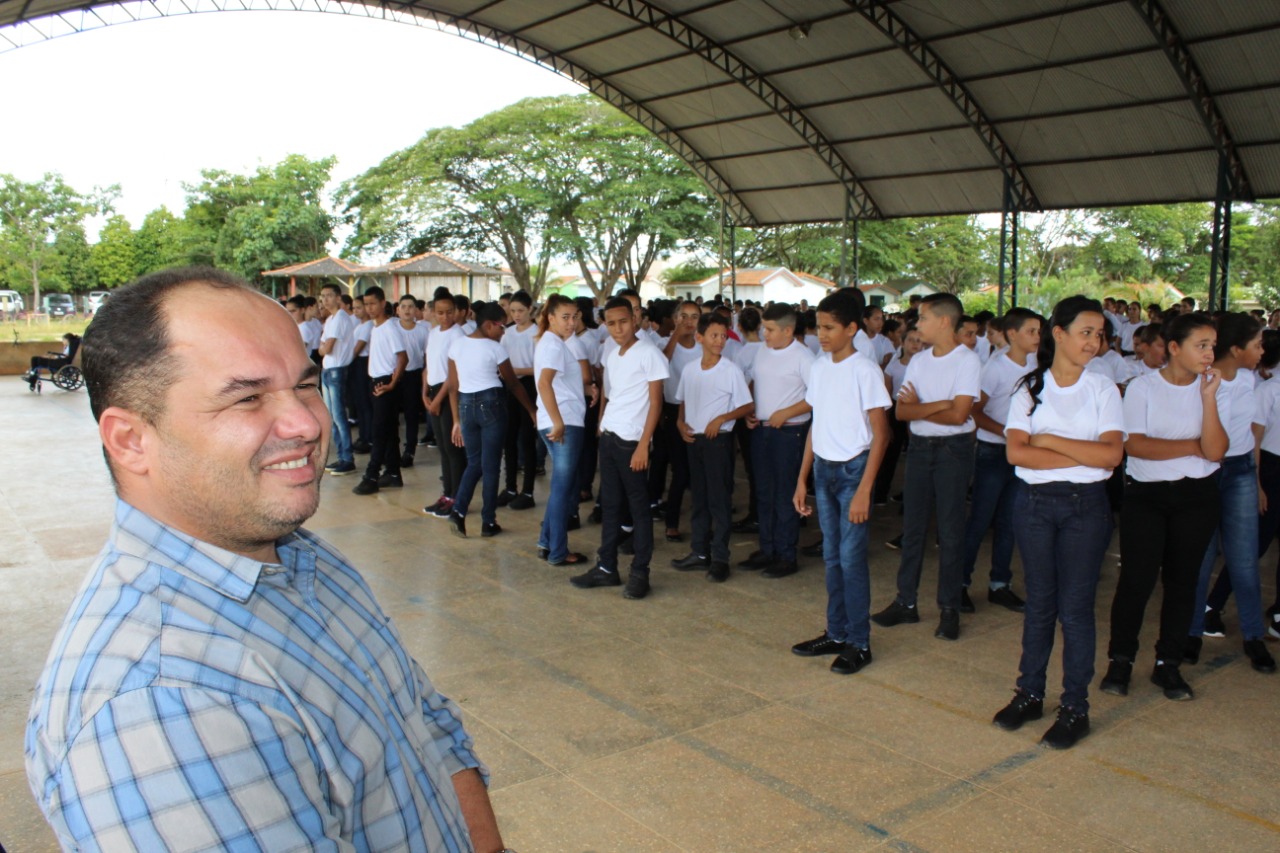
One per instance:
[(41, 330)]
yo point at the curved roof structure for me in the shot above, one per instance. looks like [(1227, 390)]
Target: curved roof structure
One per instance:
[(805, 110)]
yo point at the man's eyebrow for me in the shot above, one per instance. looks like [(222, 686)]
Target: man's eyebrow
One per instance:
[(239, 385), (312, 371)]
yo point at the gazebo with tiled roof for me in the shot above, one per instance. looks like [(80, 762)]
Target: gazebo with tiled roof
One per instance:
[(327, 267), (436, 269)]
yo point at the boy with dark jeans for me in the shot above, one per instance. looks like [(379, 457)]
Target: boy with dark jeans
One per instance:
[(387, 361), (633, 374), (435, 398), (936, 399)]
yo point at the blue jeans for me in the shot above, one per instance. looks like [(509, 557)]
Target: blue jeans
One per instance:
[(844, 550), (563, 500), (333, 384), (1237, 539), (994, 491), (1063, 532), (777, 454), (484, 430)]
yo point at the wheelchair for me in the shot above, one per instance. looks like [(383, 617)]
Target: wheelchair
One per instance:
[(57, 368)]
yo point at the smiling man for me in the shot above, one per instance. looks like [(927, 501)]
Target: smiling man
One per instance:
[(225, 680)]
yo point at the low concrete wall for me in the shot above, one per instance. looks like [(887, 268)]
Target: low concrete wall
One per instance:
[(15, 359)]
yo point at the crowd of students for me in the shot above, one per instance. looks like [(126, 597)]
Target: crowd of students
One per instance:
[(1037, 431)]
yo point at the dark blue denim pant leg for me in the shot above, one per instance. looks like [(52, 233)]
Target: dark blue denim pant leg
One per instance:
[(1063, 532), (937, 475), (994, 487), (777, 456), (844, 550), (484, 428), (1237, 539), (563, 498), (333, 382), (711, 486)]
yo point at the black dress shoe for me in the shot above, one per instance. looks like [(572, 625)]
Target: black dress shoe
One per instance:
[(1006, 598), (457, 524), (780, 569), (1116, 681), (1067, 730), (966, 603), (390, 481), (574, 523), (406, 460), (1259, 657), (1023, 707), (691, 562), (544, 553), (813, 550), (948, 624), (758, 560), (894, 544), (822, 645), (522, 502), (361, 447), (490, 530), (719, 572), (595, 577), (746, 525), (365, 487), (637, 587), (851, 661), (896, 613), (596, 515), (1167, 677), (506, 497), (1191, 650)]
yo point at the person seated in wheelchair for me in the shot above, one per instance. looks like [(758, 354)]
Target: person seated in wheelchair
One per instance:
[(54, 361)]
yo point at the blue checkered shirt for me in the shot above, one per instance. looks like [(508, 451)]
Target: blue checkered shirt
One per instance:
[(195, 699)]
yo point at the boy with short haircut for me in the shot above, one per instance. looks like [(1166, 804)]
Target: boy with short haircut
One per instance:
[(415, 347), (936, 399), (633, 374), (779, 373), (845, 446), (387, 360), (435, 398), (712, 395), (337, 348)]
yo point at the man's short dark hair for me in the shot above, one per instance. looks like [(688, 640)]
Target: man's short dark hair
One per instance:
[(781, 313), (410, 297), (617, 302), (490, 312), (346, 300), (331, 286), (297, 301), (842, 305), (711, 318), (946, 305), (376, 292), (126, 354)]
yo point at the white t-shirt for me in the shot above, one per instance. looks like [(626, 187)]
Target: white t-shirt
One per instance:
[(982, 347), (897, 373), (626, 387), (732, 349), (999, 376), (385, 342), (415, 344), (477, 360), (1135, 367), (681, 357), (562, 356), (1157, 408), (519, 345), (363, 332), (780, 377), (438, 345), (340, 328), (1110, 365), (710, 393), (1082, 411), (1236, 404), (311, 331), (956, 374), (1266, 413), (1127, 331), (811, 341), (468, 327), (884, 348), (591, 347), (746, 355), (841, 394)]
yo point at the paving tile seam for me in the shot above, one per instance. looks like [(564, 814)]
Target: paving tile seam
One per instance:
[(624, 813), (1183, 793)]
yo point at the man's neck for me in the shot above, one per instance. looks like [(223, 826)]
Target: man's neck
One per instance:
[(846, 351), (709, 359), (1018, 356), (626, 345), (944, 348)]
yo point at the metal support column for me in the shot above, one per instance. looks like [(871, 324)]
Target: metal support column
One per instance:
[(1220, 250), (843, 278), (733, 266), (1014, 224), (857, 278), (1004, 246), (720, 251)]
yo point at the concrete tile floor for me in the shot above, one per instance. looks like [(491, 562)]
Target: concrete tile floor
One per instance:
[(682, 722)]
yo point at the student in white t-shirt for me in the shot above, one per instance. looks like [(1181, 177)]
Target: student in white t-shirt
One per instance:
[(845, 445), (1266, 431), (937, 398), (682, 349), (633, 374), (1171, 501), (478, 370), (415, 347), (1065, 434), (590, 343), (337, 348), (712, 396), (1237, 353), (1151, 354), (359, 389), (749, 321), (983, 345), (779, 375), (435, 397), (1108, 363), (387, 360), (519, 340), (882, 348), (899, 436), (994, 483)]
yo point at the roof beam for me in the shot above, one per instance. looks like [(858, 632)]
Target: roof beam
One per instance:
[(676, 29), (888, 22), (1184, 65)]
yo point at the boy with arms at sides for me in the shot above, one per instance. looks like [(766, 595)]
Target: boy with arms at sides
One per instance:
[(845, 445), (415, 347), (936, 400), (712, 395), (779, 373), (633, 374), (435, 397)]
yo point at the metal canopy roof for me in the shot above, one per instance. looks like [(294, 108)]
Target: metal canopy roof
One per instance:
[(791, 109)]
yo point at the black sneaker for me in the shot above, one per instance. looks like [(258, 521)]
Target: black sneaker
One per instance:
[(365, 487), (1067, 730), (445, 509), (746, 525), (488, 531), (719, 572), (390, 481), (457, 524), (595, 577), (1259, 657), (813, 550), (406, 460), (966, 603), (506, 497), (522, 502), (340, 469), (896, 613), (597, 515), (1213, 626), (758, 560), (637, 587), (1006, 598), (822, 645), (361, 447), (690, 563), (1191, 650), (1116, 681), (1167, 677), (431, 442), (431, 509), (894, 544), (424, 441), (1024, 707), (851, 661), (780, 569), (544, 553), (948, 624), (574, 522)]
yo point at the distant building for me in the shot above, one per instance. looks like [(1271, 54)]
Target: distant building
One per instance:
[(762, 284)]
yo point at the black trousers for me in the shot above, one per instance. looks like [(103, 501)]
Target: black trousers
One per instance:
[(742, 436), (899, 435), (410, 389), (619, 487), (360, 395), (1165, 529), (522, 439), (453, 459), (679, 461), (384, 458), (711, 481), (590, 452)]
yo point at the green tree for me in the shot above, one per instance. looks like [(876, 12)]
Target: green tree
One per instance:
[(71, 268), (31, 217), (1172, 241), (884, 249), (115, 257), (952, 253), (161, 241)]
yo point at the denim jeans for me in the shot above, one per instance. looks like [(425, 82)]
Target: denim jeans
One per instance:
[(994, 491), (1268, 525), (844, 550), (711, 488), (484, 429), (1237, 539), (621, 489), (1063, 532), (937, 475), (777, 456), (562, 502), (333, 383)]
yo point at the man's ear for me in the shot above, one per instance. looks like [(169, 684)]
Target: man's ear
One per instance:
[(125, 437)]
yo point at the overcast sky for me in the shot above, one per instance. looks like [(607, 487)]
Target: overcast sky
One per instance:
[(148, 105)]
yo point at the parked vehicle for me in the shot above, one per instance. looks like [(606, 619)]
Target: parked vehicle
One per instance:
[(58, 304), (11, 302), (95, 300)]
